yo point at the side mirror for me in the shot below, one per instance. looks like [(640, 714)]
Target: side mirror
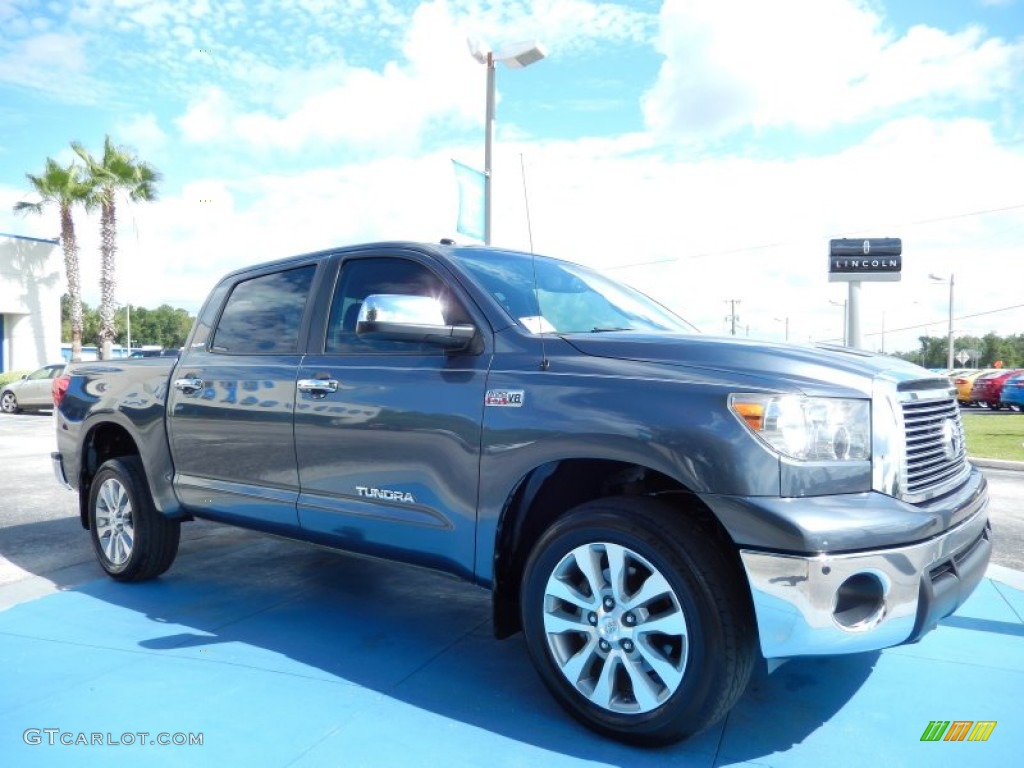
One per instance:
[(416, 319)]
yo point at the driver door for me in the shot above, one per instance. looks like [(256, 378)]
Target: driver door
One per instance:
[(389, 451)]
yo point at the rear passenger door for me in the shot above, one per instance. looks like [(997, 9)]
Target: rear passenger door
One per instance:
[(232, 398), (389, 460)]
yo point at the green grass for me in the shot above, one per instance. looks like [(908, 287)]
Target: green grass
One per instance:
[(995, 437)]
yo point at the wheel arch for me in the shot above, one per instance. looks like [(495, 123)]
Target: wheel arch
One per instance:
[(550, 490), (104, 441)]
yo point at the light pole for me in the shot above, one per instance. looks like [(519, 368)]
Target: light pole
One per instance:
[(941, 279), (515, 56), (842, 304), (786, 321)]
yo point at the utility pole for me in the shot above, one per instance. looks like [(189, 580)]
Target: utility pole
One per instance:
[(732, 318)]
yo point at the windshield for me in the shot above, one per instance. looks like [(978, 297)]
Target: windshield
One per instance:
[(564, 297)]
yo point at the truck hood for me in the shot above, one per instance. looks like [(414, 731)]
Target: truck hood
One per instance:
[(820, 369)]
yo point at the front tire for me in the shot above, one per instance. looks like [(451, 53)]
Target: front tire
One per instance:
[(132, 540), (637, 620), (9, 402)]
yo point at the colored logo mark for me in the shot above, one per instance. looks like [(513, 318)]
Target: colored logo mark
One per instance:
[(958, 730)]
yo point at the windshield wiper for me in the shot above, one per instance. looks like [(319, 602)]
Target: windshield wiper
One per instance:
[(608, 330)]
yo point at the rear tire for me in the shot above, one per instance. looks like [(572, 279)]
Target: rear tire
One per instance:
[(133, 541), (638, 620)]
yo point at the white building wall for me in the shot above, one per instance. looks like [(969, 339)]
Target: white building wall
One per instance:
[(31, 284)]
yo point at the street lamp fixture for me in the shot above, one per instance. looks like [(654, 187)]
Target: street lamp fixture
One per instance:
[(515, 56), (942, 279)]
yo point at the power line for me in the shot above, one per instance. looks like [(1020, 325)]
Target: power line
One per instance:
[(937, 219), (763, 246), (937, 322)]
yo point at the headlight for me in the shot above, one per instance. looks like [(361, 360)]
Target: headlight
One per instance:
[(808, 428)]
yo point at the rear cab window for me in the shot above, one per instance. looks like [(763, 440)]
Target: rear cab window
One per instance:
[(263, 314)]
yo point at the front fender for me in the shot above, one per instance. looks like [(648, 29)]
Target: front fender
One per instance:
[(682, 430)]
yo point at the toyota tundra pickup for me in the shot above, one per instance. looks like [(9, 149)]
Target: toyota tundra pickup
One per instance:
[(655, 510)]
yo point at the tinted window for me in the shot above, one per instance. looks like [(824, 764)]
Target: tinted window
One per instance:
[(263, 314), (364, 277)]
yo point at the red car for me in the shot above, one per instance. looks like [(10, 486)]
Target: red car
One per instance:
[(988, 388)]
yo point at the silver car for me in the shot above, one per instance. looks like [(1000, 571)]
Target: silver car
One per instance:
[(32, 391)]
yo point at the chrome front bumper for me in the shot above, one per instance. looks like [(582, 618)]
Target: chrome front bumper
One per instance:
[(799, 601)]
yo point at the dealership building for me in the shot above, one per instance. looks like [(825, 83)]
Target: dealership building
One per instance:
[(31, 284)]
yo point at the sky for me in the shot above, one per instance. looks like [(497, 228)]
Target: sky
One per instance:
[(702, 151)]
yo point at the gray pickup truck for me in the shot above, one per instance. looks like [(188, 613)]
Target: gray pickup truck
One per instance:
[(656, 511)]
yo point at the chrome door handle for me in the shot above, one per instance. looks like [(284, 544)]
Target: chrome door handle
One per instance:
[(317, 387), (189, 385)]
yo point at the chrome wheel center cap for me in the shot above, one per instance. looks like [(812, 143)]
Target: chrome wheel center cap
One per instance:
[(609, 628)]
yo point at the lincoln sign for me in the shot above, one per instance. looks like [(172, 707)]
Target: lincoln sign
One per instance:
[(877, 258)]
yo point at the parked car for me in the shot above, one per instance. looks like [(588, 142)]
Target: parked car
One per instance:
[(32, 391), (964, 383), (1013, 392), (988, 388)]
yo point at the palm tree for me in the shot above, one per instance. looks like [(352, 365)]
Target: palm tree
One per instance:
[(118, 170), (64, 187)]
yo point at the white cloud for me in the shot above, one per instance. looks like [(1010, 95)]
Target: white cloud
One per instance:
[(207, 118), (758, 230), (809, 64), (52, 63), (143, 134), (721, 225), (387, 108), (430, 80)]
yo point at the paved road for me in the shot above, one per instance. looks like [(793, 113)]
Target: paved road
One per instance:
[(42, 543)]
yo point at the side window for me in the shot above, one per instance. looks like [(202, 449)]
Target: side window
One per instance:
[(364, 277), (207, 317), (263, 314)]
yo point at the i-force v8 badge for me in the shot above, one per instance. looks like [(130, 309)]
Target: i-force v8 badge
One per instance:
[(504, 398)]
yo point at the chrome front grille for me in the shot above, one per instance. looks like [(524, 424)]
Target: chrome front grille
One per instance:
[(936, 457)]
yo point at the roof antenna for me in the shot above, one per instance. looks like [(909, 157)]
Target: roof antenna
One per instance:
[(526, 201), (544, 362)]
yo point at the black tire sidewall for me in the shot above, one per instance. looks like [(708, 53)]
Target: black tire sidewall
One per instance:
[(594, 523), (116, 469)]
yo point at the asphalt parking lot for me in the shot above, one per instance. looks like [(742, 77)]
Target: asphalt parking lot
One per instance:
[(279, 654)]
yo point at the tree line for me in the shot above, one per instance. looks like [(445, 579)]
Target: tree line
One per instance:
[(982, 351), (95, 184), (164, 326)]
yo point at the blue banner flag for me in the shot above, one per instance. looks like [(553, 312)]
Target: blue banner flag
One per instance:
[(471, 200)]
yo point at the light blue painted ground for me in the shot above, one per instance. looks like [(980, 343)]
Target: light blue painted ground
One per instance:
[(283, 655)]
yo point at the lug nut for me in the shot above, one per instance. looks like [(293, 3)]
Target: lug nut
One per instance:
[(608, 604), (604, 645), (629, 619), (592, 619), (627, 646)]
